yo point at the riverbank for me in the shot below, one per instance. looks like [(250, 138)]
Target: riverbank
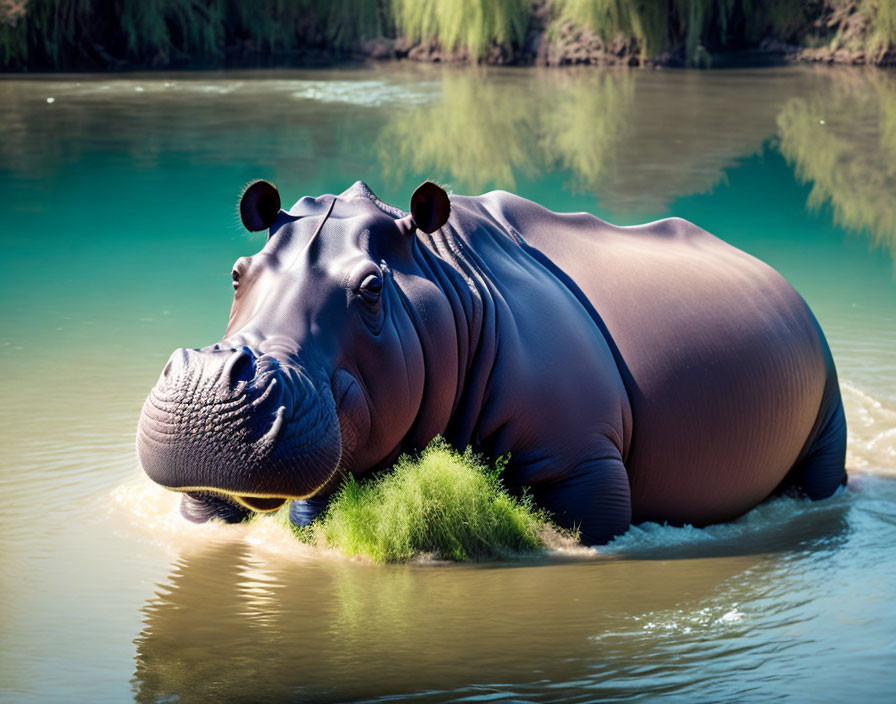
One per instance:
[(60, 35)]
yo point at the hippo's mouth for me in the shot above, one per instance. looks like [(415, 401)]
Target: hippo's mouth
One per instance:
[(252, 430), (262, 504)]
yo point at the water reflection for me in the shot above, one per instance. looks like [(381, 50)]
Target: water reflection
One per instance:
[(639, 140), (232, 623), (342, 630), (485, 131), (636, 140), (842, 140)]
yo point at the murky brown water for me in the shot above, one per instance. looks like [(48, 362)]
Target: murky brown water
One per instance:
[(118, 233)]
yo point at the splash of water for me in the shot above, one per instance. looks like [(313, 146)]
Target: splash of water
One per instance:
[(154, 512)]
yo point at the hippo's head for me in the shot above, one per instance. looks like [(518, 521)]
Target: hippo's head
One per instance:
[(321, 365)]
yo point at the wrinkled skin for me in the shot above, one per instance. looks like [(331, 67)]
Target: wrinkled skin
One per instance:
[(650, 373)]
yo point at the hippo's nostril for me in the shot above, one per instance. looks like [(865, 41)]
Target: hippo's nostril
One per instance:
[(240, 367), (176, 362)]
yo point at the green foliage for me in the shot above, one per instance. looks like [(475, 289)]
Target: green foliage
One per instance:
[(61, 33), (345, 22), (443, 503), (472, 25), (64, 33), (283, 26), (647, 22), (882, 14), (164, 28), (662, 25)]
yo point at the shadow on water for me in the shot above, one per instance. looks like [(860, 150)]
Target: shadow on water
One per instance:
[(230, 624)]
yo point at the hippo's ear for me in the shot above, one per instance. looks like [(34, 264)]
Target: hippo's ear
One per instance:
[(430, 207), (259, 206)]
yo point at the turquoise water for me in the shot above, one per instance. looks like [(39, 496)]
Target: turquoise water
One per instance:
[(118, 232)]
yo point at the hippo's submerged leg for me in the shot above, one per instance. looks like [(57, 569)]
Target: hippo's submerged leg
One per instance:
[(595, 499), (200, 506), (823, 470), (302, 513)]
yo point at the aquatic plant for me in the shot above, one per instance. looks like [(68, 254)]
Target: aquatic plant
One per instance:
[(443, 502)]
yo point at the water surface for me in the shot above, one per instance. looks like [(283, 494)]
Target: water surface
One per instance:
[(118, 233)]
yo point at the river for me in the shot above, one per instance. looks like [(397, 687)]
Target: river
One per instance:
[(118, 231)]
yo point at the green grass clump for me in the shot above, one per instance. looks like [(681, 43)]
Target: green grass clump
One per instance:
[(442, 503)]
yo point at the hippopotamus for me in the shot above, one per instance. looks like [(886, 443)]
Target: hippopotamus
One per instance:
[(629, 374)]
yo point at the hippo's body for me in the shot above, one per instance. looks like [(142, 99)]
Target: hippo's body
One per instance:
[(639, 373)]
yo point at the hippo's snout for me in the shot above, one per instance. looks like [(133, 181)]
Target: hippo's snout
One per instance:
[(228, 369), (234, 422)]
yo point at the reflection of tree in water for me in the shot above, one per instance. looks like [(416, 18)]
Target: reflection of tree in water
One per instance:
[(843, 141), (488, 129), (583, 124), (477, 134), (636, 140), (686, 129)]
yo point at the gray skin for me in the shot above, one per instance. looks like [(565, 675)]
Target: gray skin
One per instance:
[(631, 373)]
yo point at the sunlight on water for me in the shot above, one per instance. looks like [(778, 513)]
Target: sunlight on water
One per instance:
[(119, 232), (366, 93)]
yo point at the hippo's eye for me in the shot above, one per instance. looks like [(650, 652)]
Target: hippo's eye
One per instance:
[(371, 288), (239, 268)]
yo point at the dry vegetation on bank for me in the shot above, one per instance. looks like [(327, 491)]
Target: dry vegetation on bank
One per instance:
[(118, 34)]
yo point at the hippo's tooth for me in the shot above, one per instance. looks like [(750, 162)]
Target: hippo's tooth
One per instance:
[(271, 436)]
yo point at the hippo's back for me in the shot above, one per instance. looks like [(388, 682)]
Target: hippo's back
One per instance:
[(725, 366)]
